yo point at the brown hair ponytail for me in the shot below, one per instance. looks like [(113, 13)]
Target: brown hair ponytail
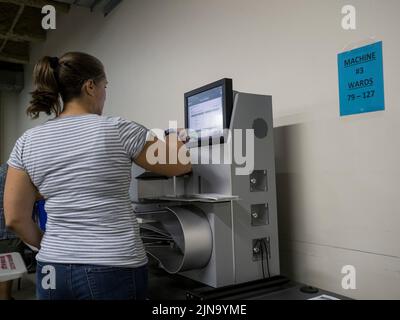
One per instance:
[(45, 97), (61, 78)]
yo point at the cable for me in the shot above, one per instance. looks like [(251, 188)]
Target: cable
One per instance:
[(262, 258), (264, 241), (258, 245)]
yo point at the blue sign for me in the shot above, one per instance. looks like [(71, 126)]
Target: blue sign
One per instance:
[(361, 87)]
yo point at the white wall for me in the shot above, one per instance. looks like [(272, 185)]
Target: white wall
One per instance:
[(337, 178)]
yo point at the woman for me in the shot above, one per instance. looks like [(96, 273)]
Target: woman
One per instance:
[(80, 162)]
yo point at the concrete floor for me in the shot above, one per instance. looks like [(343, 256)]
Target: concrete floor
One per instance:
[(27, 290)]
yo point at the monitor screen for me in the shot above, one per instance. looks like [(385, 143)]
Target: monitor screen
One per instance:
[(205, 113), (208, 109)]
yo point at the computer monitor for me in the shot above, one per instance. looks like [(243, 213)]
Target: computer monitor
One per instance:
[(208, 109)]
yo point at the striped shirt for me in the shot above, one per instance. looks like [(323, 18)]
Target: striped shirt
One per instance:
[(81, 165)]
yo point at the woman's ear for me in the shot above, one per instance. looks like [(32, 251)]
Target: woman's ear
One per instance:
[(89, 88)]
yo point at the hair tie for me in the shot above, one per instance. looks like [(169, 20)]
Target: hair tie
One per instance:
[(54, 62)]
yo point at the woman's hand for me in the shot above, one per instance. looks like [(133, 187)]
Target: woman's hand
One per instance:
[(183, 135)]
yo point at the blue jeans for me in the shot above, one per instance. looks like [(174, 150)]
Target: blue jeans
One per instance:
[(90, 282)]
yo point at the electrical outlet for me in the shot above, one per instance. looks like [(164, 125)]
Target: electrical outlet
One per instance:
[(260, 247), (258, 181), (259, 214)]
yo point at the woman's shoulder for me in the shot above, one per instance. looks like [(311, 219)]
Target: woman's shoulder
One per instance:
[(121, 122), (115, 119), (116, 122), (112, 119), (31, 132)]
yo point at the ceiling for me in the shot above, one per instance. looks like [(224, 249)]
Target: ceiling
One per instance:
[(21, 26), (104, 5)]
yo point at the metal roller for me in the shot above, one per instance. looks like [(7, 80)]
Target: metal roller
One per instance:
[(191, 233)]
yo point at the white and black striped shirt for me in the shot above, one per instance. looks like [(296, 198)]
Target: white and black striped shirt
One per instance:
[(81, 165)]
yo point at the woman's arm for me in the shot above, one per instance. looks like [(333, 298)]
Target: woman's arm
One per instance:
[(19, 199), (172, 150)]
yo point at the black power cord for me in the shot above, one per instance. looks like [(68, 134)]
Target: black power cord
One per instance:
[(260, 247), (264, 241)]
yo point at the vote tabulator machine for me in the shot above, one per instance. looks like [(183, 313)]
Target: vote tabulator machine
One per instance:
[(218, 225)]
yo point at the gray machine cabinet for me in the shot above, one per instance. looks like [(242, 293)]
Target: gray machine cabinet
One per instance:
[(237, 225), (251, 110)]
